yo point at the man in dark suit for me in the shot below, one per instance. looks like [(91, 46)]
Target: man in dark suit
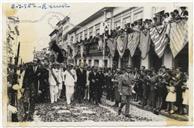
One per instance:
[(44, 84), (100, 85), (81, 83), (94, 81), (30, 85)]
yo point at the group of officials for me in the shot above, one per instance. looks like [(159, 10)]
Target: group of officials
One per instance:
[(40, 81)]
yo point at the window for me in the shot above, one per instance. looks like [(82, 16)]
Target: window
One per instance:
[(126, 20), (117, 24), (90, 62), (81, 36), (71, 38), (85, 33), (90, 31), (106, 63), (138, 15), (76, 37), (97, 26), (96, 63)]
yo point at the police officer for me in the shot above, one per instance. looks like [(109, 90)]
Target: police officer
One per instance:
[(125, 90)]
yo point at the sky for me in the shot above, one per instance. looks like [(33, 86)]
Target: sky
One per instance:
[(35, 35)]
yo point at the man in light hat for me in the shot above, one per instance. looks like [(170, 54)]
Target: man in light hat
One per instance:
[(70, 78)]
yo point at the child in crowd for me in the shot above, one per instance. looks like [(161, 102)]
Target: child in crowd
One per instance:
[(171, 97)]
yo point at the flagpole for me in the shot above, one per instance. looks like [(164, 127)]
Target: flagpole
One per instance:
[(104, 40)]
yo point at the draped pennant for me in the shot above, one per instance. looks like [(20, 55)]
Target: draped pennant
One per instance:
[(133, 41), (159, 38), (121, 44), (111, 43), (178, 36), (144, 44)]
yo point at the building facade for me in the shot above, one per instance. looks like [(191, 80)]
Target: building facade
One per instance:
[(88, 52)]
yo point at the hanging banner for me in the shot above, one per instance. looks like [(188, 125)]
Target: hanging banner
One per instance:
[(133, 41), (121, 43), (144, 44), (111, 43), (178, 36), (159, 36)]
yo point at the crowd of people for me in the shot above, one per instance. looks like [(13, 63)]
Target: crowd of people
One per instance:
[(39, 82), (42, 81)]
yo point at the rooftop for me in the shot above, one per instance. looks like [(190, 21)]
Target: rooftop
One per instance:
[(91, 18)]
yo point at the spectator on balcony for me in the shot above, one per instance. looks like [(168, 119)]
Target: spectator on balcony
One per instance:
[(176, 15), (184, 13)]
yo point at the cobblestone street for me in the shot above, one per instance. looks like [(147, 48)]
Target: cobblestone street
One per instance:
[(86, 112)]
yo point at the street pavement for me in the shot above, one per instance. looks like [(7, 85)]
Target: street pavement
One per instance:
[(57, 112)]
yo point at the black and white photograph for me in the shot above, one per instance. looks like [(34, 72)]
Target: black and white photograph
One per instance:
[(97, 64)]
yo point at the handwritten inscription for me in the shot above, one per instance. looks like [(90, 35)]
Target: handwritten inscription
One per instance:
[(39, 5)]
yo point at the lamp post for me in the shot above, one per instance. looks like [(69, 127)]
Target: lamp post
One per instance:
[(104, 41)]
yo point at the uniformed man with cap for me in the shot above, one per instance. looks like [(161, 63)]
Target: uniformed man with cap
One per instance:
[(125, 90), (70, 79)]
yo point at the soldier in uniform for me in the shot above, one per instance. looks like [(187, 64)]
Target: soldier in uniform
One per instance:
[(125, 90)]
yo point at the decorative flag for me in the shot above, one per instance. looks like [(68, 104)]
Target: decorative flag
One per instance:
[(178, 36), (133, 41), (144, 44), (111, 43), (121, 43), (159, 36)]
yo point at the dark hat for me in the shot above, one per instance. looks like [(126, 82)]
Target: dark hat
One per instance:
[(176, 11), (183, 7)]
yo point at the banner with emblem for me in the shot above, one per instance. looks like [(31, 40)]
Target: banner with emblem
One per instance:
[(122, 43)]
